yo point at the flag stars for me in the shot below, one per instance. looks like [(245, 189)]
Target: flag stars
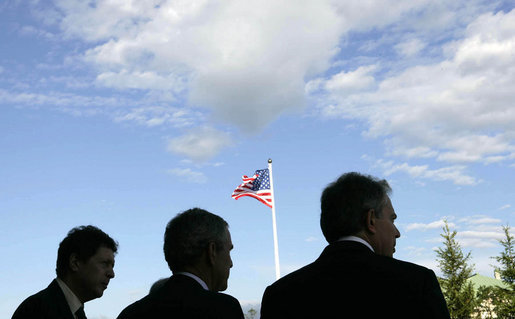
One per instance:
[(257, 186), (262, 180)]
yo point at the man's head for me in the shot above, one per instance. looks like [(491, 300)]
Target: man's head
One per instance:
[(359, 205), (199, 242), (85, 261)]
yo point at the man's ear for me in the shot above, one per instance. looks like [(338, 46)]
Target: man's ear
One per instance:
[(73, 262), (370, 221), (211, 253)]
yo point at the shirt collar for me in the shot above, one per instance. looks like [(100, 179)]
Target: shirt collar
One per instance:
[(73, 301), (200, 281), (356, 239)]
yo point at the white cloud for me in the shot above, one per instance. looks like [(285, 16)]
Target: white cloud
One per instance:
[(67, 102), (347, 82), (472, 232), (505, 207), (311, 239), (439, 224), (454, 174), (246, 61), (484, 220), (119, 108), (410, 47), (364, 15), (141, 80), (190, 175), (481, 241), (157, 115), (103, 19), (200, 144), (456, 111)]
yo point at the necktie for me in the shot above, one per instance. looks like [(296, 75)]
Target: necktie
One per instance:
[(80, 313)]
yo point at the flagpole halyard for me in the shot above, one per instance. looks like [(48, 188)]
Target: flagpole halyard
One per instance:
[(274, 224)]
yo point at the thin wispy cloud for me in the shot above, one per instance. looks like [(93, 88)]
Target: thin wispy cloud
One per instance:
[(439, 224), (156, 116), (477, 238), (472, 232), (312, 239), (200, 144), (480, 235), (454, 174), (410, 47), (189, 175), (485, 220)]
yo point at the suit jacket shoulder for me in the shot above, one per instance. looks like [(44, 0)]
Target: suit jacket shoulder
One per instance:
[(183, 297), (348, 277), (49, 303)]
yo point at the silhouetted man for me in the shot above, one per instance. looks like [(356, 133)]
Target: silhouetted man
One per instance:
[(197, 247), (85, 262), (356, 276)]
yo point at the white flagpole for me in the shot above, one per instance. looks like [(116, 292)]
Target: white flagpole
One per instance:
[(276, 246)]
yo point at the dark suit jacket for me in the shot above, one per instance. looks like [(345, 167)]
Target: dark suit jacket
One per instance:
[(348, 280), (182, 297), (49, 303)]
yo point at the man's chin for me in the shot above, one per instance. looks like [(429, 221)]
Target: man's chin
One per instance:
[(94, 295)]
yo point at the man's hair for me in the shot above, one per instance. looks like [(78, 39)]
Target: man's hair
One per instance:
[(84, 241), (345, 202), (189, 233)]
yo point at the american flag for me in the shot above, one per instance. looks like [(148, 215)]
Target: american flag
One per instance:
[(257, 186)]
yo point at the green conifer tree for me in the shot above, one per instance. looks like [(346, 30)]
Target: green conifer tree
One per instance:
[(250, 314), (458, 293), (506, 259), (502, 299)]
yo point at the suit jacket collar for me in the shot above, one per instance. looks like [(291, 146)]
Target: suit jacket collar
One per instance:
[(195, 277), (357, 239), (73, 301), (346, 247), (184, 280), (56, 294)]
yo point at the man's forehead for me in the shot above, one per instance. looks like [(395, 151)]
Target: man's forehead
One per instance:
[(228, 238), (103, 251), (389, 207)]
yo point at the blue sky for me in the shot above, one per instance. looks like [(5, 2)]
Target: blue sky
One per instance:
[(122, 114)]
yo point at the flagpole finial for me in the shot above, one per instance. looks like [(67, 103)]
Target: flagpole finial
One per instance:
[(269, 160)]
